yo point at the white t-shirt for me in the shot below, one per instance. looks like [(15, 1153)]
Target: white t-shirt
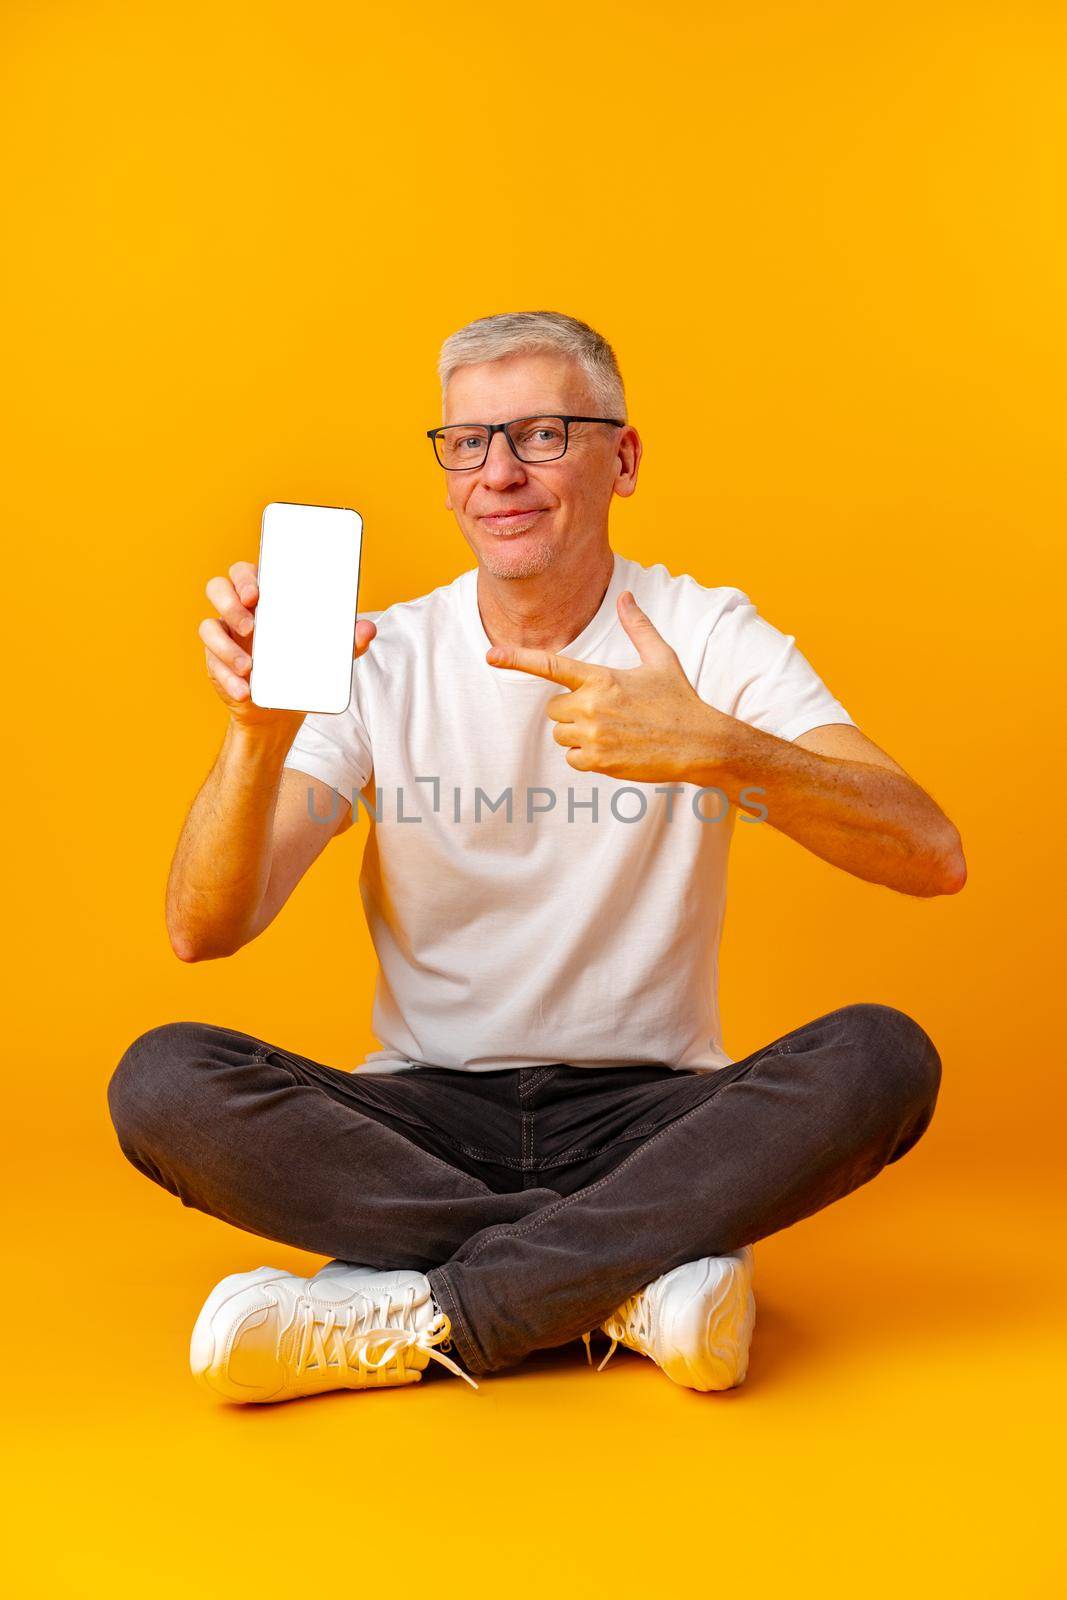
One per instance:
[(552, 934)]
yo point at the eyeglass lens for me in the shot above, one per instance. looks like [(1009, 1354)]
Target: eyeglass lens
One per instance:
[(535, 439)]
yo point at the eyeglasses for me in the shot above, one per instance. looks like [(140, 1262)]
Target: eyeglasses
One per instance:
[(464, 445)]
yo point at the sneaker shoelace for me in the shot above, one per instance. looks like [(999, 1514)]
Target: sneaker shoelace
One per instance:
[(344, 1338), (631, 1323)]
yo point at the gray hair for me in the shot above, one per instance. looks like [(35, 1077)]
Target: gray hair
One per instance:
[(514, 332)]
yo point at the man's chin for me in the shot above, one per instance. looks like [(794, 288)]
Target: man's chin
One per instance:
[(518, 557)]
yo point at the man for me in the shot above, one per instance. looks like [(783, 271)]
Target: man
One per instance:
[(553, 749)]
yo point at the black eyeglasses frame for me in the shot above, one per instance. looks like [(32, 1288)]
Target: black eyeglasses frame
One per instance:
[(502, 427)]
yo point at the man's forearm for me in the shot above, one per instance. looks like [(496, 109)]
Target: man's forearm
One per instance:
[(875, 823), (222, 863)]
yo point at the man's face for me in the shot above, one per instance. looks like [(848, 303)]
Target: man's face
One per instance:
[(518, 517)]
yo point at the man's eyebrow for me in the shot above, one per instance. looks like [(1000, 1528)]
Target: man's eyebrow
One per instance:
[(480, 422)]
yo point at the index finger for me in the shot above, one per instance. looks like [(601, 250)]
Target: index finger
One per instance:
[(244, 579), (543, 664)]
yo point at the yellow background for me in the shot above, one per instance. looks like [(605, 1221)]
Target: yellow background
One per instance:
[(826, 242)]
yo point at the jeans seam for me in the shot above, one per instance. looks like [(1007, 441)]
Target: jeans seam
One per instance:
[(598, 1149), (457, 1332), (540, 1074), (526, 1087), (494, 1158)]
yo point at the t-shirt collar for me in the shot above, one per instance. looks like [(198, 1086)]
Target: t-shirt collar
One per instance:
[(583, 648)]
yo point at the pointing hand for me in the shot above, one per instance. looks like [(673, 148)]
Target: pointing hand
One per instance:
[(646, 723)]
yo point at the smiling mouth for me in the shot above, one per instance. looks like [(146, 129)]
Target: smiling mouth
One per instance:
[(504, 522)]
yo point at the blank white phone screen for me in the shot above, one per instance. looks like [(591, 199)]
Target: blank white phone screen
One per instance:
[(305, 618)]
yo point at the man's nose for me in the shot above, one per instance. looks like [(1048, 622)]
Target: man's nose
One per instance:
[(501, 465)]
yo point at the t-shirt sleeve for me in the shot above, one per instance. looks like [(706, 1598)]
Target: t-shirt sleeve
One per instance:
[(336, 747), (754, 672)]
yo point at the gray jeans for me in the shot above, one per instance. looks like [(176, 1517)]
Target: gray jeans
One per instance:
[(535, 1199)]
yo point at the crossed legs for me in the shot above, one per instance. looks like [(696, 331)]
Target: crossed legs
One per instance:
[(271, 1143)]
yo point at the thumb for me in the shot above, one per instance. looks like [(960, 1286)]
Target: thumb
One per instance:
[(649, 643), (362, 640)]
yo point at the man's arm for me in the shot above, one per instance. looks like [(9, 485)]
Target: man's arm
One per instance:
[(840, 796), (246, 843), (249, 836), (832, 789)]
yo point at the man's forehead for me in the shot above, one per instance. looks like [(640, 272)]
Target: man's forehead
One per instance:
[(506, 410), (496, 391)]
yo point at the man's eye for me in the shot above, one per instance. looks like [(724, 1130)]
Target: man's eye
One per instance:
[(540, 436)]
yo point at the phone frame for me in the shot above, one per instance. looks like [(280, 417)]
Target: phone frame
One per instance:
[(307, 505)]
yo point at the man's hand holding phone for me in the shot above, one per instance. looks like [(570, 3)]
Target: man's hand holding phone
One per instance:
[(227, 639)]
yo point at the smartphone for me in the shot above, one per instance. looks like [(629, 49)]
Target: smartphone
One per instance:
[(305, 617)]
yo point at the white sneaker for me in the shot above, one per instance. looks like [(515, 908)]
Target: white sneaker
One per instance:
[(695, 1322), (268, 1335)]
